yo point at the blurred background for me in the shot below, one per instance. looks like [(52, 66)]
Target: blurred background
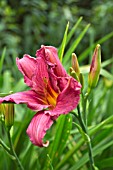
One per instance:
[(26, 24)]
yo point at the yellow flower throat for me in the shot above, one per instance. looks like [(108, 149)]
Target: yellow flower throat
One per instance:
[(50, 94)]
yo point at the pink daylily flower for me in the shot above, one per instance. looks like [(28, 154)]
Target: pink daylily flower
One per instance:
[(52, 91)]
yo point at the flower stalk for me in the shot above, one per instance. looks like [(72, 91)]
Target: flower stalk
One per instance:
[(84, 128), (8, 111), (13, 153), (4, 146)]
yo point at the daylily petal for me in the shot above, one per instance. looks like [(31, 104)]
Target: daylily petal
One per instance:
[(37, 128), (68, 99), (50, 54), (27, 66), (31, 98), (40, 78), (62, 82)]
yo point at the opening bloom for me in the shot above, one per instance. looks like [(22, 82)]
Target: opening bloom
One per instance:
[(52, 91)]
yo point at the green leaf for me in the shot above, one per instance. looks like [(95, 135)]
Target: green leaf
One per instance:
[(74, 45), (92, 131), (51, 167), (85, 69), (2, 59), (63, 128), (20, 85), (70, 153), (7, 82), (84, 135), (73, 30), (101, 125), (4, 94), (100, 41), (62, 47), (64, 136), (105, 163), (106, 74), (96, 150), (62, 132), (107, 62)]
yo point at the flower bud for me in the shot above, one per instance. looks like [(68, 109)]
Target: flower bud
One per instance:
[(95, 68), (74, 74), (9, 114), (75, 64), (81, 79), (76, 70), (2, 109), (2, 106)]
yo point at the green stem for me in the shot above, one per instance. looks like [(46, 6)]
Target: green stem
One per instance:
[(84, 127), (13, 151), (4, 146), (84, 104)]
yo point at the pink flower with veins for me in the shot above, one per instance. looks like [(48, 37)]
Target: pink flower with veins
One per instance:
[(53, 92)]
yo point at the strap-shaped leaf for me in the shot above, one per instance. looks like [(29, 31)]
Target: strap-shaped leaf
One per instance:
[(64, 135), (81, 141), (105, 163), (73, 30), (96, 150), (63, 44), (63, 128), (106, 74), (74, 45), (67, 38), (84, 135), (88, 50), (2, 58)]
